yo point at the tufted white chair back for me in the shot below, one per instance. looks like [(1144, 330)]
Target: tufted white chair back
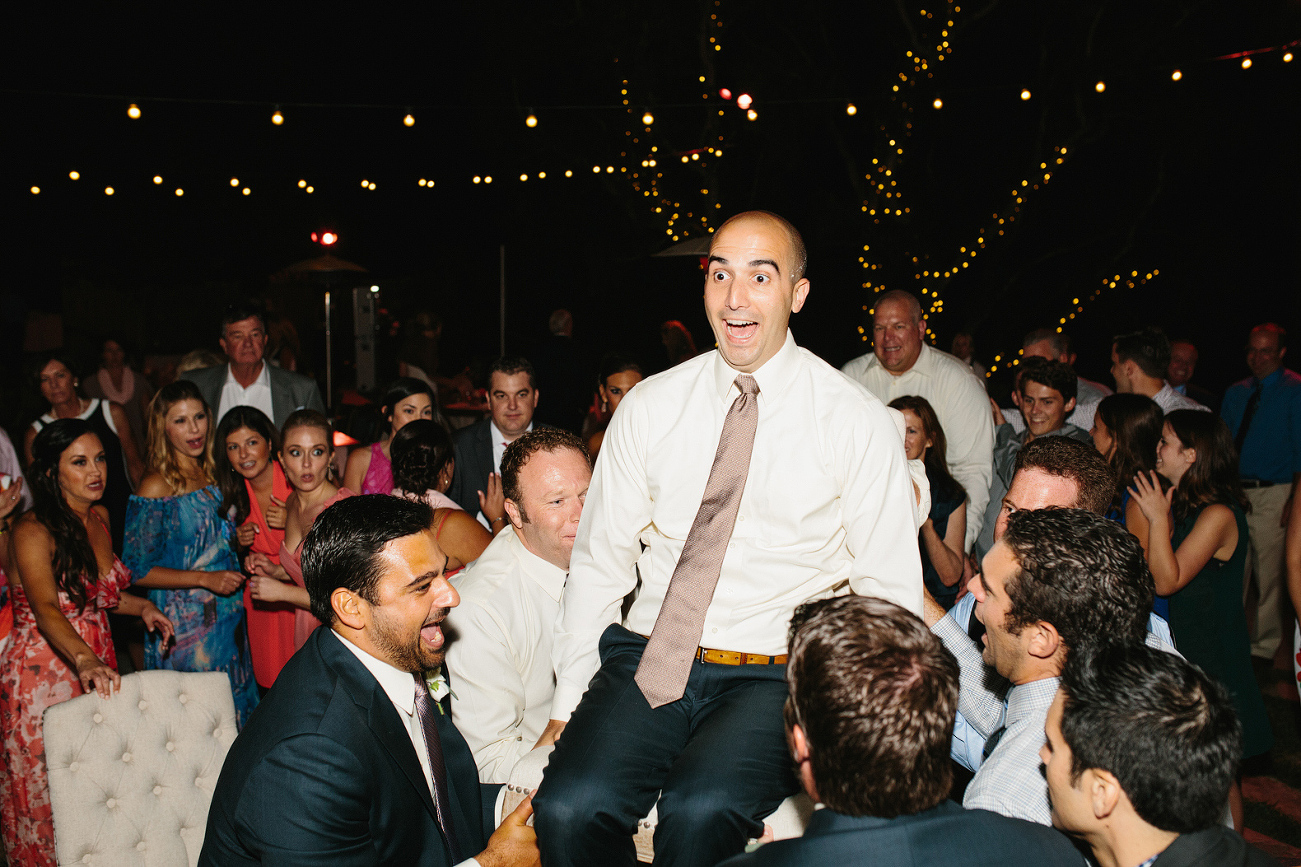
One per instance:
[(131, 777)]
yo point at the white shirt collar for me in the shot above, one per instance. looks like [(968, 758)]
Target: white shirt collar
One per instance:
[(398, 685), (772, 378), (544, 573), (263, 378)]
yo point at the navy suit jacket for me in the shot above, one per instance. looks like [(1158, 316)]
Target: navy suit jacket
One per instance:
[(289, 390), (473, 454), (1212, 847), (473, 464), (324, 773), (946, 834)]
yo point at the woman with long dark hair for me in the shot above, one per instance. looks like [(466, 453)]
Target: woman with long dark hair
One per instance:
[(1197, 549), (59, 383), (64, 579), (178, 546), (941, 536), (1126, 430), (253, 495), (422, 470), (370, 470), (618, 374)]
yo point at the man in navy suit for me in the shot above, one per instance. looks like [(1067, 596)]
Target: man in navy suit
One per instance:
[(476, 478), (345, 763), (868, 719)]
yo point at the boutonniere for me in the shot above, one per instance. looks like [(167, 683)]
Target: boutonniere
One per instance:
[(438, 688)]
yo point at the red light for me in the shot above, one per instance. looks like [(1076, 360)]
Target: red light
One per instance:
[(744, 101), (725, 93), (329, 238), (315, 237)]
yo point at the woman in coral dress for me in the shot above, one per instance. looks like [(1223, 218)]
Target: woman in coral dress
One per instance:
[(306, 453), (253, 494), (64, 578), (178, 546)]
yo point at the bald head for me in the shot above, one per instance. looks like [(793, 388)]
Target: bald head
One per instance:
[(799, 257)]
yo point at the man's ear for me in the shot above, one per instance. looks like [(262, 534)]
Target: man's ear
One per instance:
[(1044, 640), (800, 752), (1104, 791), (350, 608), (512, 513), (1070, 405)]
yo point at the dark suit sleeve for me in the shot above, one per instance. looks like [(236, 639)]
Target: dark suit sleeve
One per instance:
[(465, 489), (306, 803)]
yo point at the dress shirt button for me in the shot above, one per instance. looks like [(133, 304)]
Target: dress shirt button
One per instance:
[(111, 803), (126, 757), (714, 631), (171, 747), (99, 718), (143, 704)]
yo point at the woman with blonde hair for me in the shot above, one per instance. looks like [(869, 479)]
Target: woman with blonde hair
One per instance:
[(178, 547)]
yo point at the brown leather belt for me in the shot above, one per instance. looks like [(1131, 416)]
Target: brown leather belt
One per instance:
[(732, 657), (735, 657)]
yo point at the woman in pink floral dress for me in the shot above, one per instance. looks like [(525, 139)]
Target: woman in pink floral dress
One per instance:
[(63, 578)]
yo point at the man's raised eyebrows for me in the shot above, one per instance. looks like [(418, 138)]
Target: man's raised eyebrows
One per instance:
[(754, 263)]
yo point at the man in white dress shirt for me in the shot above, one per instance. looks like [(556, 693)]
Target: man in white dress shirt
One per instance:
[(501, 632), (901, 362), (1138, 363), (824, 508)]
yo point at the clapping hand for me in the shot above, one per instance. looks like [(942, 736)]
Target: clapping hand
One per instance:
[(1154, 504)]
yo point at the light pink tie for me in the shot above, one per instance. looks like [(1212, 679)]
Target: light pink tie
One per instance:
[(666, 662)]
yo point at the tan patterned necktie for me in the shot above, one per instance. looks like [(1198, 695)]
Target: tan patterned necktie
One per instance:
[(666, 662)]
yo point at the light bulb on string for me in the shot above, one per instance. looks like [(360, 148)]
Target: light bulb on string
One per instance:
[(1246, 63), (531, 121), (158, 179), (36, 191), (409, 120), (234, 182), (133, 111), (277, 118), (745, 100), (1176, 75), (851, 109), (725, 93), (74, 175), (648, 118), (1100, 86), (938, 103), (1287, 58), (1025, 93)]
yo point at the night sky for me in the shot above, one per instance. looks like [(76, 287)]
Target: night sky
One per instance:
[(1196, 179)]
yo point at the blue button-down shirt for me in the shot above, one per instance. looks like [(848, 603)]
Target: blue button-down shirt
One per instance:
[(1272, 451)]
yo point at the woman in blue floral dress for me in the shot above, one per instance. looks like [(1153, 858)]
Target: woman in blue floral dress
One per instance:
[(178, 546)]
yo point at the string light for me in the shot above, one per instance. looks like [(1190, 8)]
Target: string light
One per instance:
[(36, 191), (1131, 281), (302, 184), (245, 191), (752, 114), (234, 182), (74, 175), (180, 192), (648, 118), (409, 120), (1246, 63), (1100, 86), (1176, 75), (1025, 94), (108, 191), (745, 100), (158, 179), (133, 111), (938, 103), (277, 118), (851, 109), (531, 121)]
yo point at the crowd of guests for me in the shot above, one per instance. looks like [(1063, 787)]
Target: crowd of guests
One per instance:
[(1018, 609)]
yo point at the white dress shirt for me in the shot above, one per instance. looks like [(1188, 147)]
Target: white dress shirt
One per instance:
[(499, 444), (500, 652), (962, 406), (1170, 400), (400, 687), (257, 395), (825, 508)]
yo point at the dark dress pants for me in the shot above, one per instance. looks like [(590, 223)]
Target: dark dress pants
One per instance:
[(717, 758)]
